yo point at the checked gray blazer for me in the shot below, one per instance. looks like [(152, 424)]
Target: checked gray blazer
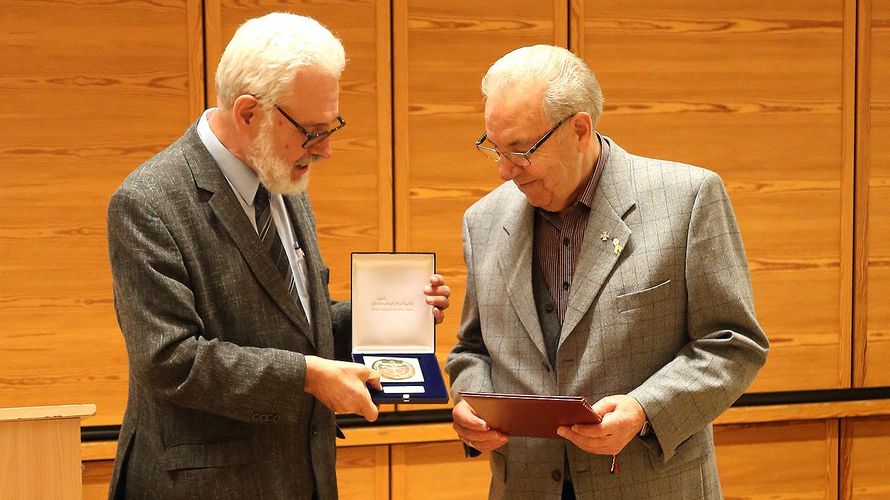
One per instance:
[(668, 320), (216, 407)]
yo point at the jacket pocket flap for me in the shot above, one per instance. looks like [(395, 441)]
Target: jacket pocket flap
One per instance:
[(203, 455), (642, 298)]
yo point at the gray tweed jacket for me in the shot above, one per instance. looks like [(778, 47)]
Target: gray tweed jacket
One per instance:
[(216, 407), (668, 320)]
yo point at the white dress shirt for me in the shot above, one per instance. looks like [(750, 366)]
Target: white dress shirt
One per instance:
[(245, 182)]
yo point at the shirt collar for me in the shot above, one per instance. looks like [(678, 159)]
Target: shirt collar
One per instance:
[(586, 198), (242, 178)]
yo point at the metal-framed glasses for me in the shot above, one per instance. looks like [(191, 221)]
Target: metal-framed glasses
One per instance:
[(518, 158), (313, 138)]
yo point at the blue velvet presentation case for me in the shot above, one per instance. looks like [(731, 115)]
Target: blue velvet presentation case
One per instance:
[(392, 324)]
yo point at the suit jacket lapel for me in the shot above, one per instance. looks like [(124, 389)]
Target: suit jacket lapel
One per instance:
[(515, 261), (613, 199), (298, 213), (228, 210)]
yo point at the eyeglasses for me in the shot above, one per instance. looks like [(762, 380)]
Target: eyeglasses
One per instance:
[(313, 138), (517, 158)]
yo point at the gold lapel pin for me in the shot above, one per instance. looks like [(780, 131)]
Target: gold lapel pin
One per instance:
[(617, 246), (604, 235)]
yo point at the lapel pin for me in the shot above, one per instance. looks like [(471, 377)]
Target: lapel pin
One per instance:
[(617, 246), (604, 235)]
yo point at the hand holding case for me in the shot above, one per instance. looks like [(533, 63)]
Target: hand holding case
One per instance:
[(530, 415)]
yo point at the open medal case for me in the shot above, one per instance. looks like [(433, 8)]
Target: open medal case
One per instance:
[(393, 329)]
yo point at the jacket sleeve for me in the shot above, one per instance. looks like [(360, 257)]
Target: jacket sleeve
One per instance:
[(169, 354), (726, 345), (341, 321)]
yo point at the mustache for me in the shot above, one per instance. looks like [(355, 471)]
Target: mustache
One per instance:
[(310, 160)]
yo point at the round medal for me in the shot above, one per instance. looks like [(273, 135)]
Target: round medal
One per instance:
[(395, 369)]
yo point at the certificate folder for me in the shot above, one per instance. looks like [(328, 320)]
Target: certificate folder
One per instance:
[(529, 415), (393, 329)]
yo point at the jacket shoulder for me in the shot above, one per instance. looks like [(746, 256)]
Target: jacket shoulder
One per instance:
[(494, 202), (652, 174), (160, 176)]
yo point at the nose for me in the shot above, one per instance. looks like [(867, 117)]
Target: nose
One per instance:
[(507, 169), (323, 148)]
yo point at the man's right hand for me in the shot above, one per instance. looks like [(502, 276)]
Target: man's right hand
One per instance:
[(473, 431), (341, 386)]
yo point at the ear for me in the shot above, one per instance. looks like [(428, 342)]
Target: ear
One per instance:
[(582, 127), (245, 114)]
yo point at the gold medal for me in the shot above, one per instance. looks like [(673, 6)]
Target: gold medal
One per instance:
[(394, 369)]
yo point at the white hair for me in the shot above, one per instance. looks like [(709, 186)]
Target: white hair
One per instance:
[(267, 52), (568, 84)]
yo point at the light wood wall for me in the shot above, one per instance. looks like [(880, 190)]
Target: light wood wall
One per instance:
[(788, 101), (873, 198), (759, 92), (90, 90), (866, 466)]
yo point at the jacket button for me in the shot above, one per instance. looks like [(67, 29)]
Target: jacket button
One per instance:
[(548, 308), (556, 475), (565, 285)]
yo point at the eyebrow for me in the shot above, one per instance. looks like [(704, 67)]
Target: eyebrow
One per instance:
[(321, 123), (512, 144), (324, 123), (312, 126)]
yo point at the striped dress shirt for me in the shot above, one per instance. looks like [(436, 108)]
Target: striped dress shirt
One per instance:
[(558, 237)]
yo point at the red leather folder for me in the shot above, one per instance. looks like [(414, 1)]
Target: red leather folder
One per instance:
[(530, 415)]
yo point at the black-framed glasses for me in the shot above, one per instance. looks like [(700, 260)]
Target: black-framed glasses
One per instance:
[(313, 138), (518, 158)]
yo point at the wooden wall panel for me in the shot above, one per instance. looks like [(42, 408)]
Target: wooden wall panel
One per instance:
[(438, 471), (362, 474), (865, 474), (441, 50), (96, 478), (351, 192), (873, 203), (778, 460), (758, 92), (90, 89)]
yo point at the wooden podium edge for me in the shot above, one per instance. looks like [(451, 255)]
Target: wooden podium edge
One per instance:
[(46, 412)]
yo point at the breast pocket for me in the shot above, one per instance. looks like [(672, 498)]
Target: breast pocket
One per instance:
[(326, 276), (205, 455), (216, 470), (642, 298)]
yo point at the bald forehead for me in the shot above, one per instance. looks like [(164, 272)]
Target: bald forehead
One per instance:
[(513, 115), (314, 97)]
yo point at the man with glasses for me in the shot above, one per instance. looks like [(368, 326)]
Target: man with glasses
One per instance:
[(595, 272), (222, 295)]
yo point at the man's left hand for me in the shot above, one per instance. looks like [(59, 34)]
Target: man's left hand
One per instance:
[(622, 419), (437, 293)]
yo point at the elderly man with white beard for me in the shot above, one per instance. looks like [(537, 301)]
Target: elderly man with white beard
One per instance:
[(237, 353)]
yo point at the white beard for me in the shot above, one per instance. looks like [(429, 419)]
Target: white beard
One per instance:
[(274, 172)]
